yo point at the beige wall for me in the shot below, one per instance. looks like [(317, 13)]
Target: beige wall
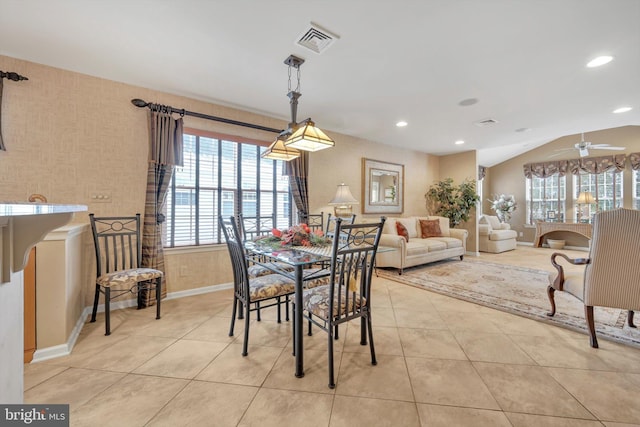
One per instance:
[(461, 167), (69, 135), (508, 177)]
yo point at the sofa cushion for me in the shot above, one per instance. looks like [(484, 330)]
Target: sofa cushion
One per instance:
[(493, 221), (410, 223), (416, 247), (496, 235), (450, 242), (402, 230), (430, 228)]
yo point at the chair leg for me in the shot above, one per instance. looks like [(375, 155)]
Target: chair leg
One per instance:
[(332, 382), (363, 331), (551, 294), (240, 310), (293, 329), (158, 296), (233, 314), (588, 311), (245, 344), (630, 319), (286, 308), (96, 299), (258, 311), (371, 346), (309, 333), (279, 304), (107, 310)]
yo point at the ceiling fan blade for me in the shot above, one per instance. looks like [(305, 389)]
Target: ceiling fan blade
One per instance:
[(605, 147)]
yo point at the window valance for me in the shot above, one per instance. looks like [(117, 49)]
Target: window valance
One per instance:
[(634, 159), (592, 165)]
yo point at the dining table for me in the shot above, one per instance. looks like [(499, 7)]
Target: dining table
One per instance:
[(301, 258)]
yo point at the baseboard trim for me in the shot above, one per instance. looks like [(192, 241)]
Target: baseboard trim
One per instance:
[(53, 352)]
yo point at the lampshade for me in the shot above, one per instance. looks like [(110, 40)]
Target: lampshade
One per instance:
[(586, 198), (343, 201), (279, 151), (309, 138)]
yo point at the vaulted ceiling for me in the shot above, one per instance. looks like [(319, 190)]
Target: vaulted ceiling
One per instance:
[(440, 65)]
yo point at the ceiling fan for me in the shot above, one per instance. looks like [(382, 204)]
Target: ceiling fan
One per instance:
[(583, 147)]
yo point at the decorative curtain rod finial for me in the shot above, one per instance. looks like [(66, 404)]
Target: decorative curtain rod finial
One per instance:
[(139, 103), (12, 76)]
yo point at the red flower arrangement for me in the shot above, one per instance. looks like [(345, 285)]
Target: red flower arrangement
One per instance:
[(297, 235)]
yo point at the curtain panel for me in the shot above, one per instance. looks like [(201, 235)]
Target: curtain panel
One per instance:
[(165, 152), (298, 170), (634, 159)]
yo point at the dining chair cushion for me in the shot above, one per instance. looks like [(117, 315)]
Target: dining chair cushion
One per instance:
[(316, 301), (128, 277), (270, 286), (258, 270), (313, 277)]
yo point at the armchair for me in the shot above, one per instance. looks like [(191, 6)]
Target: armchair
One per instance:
[(494, 236), (610, 276)]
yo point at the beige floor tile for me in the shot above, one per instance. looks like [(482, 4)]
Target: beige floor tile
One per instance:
[(612, 424), (73, 386), (124, 355), (316, 372), (35, 373), (558, 352), (283, 408), (528, 420), (446, 416), (386, 340), (216, 329), (448, 382), (318, 339), (358, 377), (444, 303), (382, 316), (133, 401), (182, 359), (430, 343), (87, 346), (231, 367), (171, 325), (266, 333), (473, 321), (204, 403), (619, 357), (591, 388), (529, 389), (351, 411), (492, 348), (512, 324), (426, 318)]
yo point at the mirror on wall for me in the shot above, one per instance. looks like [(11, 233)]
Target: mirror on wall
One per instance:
[(382, 186)]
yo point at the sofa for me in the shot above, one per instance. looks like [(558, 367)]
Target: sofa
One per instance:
[(494, 236), (410, 248)]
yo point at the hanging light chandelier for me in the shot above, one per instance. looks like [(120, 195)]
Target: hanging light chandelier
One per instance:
[(299, 136)]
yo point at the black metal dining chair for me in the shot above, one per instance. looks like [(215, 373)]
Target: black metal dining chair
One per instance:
[(331, 223), (251, 294), (314, 221), (118, 248), (348, 295)]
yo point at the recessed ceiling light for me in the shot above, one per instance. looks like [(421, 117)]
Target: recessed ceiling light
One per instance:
[(401, 124), (622, 110), (467, 102), (459, 142), (600, 60), (523, 130)]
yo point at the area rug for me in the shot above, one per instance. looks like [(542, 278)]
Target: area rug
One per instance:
[(516, 290)]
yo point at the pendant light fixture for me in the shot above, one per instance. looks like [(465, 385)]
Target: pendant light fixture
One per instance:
[(299, 136)]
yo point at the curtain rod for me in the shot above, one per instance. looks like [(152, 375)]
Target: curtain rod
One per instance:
[(141, 104)]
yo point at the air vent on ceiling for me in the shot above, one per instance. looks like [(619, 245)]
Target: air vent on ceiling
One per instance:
[(486, 122), (316, 39)]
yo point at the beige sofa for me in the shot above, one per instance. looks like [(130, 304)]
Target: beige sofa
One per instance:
[(418, 250), (494, 236)]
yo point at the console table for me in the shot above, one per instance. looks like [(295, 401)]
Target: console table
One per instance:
[(543, 228)]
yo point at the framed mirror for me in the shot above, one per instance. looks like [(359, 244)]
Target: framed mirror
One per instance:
[(382, 187)]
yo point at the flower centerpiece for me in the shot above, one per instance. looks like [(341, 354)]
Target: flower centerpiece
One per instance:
[(297, 235), (504, 205)]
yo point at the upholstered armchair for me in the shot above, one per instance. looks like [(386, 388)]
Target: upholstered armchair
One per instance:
[(494, 236), (611, 276)]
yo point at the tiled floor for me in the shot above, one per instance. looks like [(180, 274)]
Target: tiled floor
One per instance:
[(441, 362)]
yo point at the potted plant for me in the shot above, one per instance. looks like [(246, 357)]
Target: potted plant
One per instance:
[(452, 201)]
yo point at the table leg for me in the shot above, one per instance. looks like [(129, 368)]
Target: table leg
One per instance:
[(297, 320)]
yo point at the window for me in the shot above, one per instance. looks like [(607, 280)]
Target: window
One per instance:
[(636, 189), (546, 199), (605, 187), (222, 177)]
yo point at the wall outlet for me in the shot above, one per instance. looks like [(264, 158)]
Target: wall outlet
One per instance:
[(521, 234), (101, 197)]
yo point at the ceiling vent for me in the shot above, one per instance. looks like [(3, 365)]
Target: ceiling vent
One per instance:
[(316, 39), (486, 122)]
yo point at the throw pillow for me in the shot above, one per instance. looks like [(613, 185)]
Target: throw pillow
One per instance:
[(430, 228), (402, 231)]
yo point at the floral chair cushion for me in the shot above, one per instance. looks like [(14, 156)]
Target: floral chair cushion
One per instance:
[(127, 278), (316, 301), (258, 270), (270, 286)]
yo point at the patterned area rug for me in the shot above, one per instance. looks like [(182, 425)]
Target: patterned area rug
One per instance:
[(516, 290)]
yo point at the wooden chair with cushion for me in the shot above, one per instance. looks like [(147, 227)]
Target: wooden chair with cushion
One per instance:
[(118, 247), (348, 294), (611, 276)]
